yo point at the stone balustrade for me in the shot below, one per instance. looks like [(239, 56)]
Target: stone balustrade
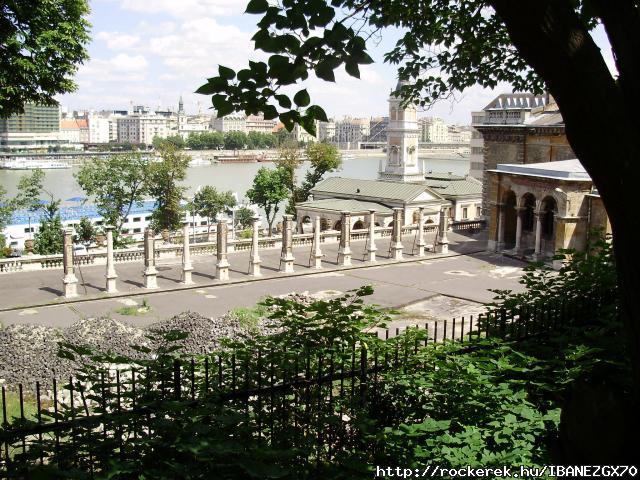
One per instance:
[(173, 251)]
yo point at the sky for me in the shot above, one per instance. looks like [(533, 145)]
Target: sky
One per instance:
[(149, 52)]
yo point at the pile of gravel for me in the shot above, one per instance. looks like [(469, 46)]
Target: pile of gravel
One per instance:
[(29, 353)]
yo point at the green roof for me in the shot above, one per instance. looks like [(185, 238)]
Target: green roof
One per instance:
[(451, 186), (340, 205), (384, 190)]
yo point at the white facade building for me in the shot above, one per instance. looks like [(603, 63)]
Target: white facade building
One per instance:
[(229, 123), (99, 129), (434, 130), (142, 128), (257, 123), (477, 146)]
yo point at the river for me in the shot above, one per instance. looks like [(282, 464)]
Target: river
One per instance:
[(238, 177)]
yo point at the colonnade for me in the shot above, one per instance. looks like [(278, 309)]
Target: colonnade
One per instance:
[(150, 273), (518, 248)]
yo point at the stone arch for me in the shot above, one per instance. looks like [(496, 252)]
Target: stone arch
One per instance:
[(528, 203), (359, 225), (306, 219), (510, 218), (337, 225), (548, 210), (324, 224)]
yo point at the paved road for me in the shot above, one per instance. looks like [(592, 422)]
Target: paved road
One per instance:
[(462, 276)]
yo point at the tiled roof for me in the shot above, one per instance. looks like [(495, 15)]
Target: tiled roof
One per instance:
[(384, 190), (517, 101), (73, 124), (341, 205), (449, 185), (561, 170)]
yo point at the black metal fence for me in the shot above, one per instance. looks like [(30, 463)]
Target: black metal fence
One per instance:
[(304, 402)]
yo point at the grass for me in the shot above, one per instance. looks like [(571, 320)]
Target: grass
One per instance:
[(249, 317), (13, 407), (135, 310)]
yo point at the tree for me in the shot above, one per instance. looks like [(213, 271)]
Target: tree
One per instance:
[(244, 217), (324, 158), (268, 191), (209, 202), (162, 185), (85, 232), (116, 184), (532, 44), (41, 47), (288, 161), (48, 238), (176, 140), (235, 140)]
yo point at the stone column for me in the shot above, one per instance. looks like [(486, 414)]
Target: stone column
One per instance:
[(344, 251), (519, 214), (317, 251), (255, 243), (69, 281), (442, 242), (501, 219), (222, 267), (421, 243), (187, 267), (150, 272), (111, 275), (372, 236), (287, 244), (396, 234), (536, 254)]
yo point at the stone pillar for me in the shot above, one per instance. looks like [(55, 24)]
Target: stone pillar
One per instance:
[(537, 252), (222, 267), (372, 236), (69, 281), (519, 214), (442, 242), (111, 275), (255, 243), (344, 251), (150, 272), (187, 267), (501, 219), (286, 258), (420, 241), (317, 251), (396, 235)]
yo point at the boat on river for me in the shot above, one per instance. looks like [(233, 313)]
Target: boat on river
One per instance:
[(26, 163)]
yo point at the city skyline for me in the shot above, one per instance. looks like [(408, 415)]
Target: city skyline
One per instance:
[(152, 52)]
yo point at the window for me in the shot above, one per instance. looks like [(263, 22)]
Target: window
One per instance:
[(478, 212), (136, 219), (147, 219), (465, 213), (204, 222), (137, 230), (125, 231), (99, 222)]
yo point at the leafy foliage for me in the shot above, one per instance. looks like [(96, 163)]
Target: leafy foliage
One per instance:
[(324, 158), (209, 202), (176, 140), (244, 217), (48, 238), (162, 180), (269, 191), (41, 48), (85, 231), (116, 184)]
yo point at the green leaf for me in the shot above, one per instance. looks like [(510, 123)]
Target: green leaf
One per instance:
[(226, 72), (302, 98), (257, 6), (284, 101), (318, 113), (324, 70), (352, 69)]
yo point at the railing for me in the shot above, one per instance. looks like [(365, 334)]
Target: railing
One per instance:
[(468, 225), (280, 398), (134, 254)]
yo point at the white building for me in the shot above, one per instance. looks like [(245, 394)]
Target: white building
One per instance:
[(257, 123), (349, 132), (434, 130), (327, 131), (99, 129), (229, 123), (142, 128)]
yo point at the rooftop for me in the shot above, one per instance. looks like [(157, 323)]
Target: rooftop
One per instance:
[(516, 101), (449, 185), (560, 170), (345, 205), (378, 189)]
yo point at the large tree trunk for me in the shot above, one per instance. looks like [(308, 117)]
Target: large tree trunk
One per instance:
[(600, 116)]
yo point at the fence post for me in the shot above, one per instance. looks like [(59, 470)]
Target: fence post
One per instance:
[(363, 374), (176, 379)]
